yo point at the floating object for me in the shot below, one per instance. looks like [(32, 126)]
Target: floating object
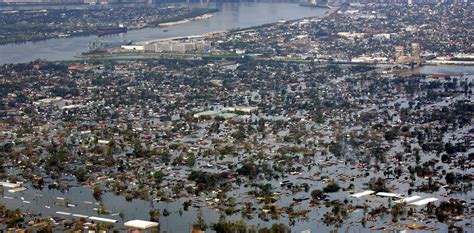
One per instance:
[(27, 202), (364, 193), (141, 224), (10, 198)]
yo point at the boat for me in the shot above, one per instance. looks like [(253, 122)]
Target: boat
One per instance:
[(111, 31)]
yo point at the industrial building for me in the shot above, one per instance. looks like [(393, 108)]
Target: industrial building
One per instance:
[(178, 46)]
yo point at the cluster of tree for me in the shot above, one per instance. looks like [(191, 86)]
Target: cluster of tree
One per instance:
[(337, 214), (378, 184), (206, 180), (331, 187), (249, 169), (450, 208), (12, 217)]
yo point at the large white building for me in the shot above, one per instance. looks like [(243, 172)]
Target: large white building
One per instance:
[(178, 46)]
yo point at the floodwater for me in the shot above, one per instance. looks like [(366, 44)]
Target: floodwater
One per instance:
[(449, 70), (231, 15), (43, 201)]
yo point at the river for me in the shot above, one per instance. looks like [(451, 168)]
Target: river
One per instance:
[(231, 15)]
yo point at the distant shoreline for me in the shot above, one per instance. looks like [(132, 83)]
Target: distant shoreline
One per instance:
[(204, 15), (201, 17), (47, 49)]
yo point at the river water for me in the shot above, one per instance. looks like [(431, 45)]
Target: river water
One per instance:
[(231, 15)]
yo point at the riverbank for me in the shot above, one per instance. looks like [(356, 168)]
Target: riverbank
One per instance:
[(46, 24), (118, 52), (169, 24), (229, 16)]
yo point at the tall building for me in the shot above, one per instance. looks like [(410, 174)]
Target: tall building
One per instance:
[(399, 52), (416, 53), (413, 57)]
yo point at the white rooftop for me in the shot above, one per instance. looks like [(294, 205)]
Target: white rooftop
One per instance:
[(63, 213), (103, 219), (140, 224), (384, 194), (9, 185), (424, 201), (364, 193), (408, 199)]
